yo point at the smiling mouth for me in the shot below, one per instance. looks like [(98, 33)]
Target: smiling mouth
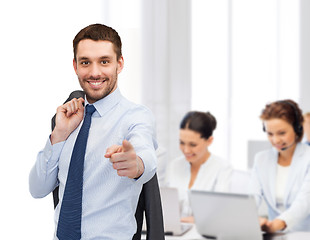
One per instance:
[(279, 146), (96, 83)]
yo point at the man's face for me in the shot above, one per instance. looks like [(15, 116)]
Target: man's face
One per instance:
[(97, 68)]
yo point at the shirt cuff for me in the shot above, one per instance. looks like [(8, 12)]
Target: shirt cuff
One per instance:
[(52, 152), (149, 161), (289, 221)]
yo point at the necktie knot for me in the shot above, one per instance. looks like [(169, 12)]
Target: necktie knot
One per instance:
[(90, 109)]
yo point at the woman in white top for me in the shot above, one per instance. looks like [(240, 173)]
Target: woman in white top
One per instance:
[(281, 175), (198, 168)]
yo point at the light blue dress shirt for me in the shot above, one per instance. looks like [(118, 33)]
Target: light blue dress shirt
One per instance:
[(109, 201)]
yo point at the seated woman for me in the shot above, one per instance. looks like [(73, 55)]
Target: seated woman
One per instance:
[(281, 175), (198, 168)]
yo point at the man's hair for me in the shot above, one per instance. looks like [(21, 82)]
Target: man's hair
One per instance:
[(98, 32)]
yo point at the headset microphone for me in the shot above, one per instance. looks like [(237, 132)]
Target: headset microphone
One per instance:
[(284, 148)]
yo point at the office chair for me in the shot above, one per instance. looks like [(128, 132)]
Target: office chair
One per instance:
[(149, 200)]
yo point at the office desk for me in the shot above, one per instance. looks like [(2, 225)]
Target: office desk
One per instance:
[(191, 234), (194, 235)]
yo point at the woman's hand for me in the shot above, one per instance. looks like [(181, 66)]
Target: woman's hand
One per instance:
[(189, 219), (271, 226)]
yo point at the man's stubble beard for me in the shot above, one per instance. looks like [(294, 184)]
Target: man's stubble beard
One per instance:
[(91, 94)]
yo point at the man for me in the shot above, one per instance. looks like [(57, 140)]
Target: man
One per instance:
[(120, 151)]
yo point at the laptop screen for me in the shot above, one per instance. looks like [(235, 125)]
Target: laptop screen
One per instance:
[(225, 215)]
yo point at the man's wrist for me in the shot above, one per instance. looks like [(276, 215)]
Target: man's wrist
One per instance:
[(140, 168), (57, 136)]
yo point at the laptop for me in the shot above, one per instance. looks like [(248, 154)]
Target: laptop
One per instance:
[(224, 216), (171, 212)]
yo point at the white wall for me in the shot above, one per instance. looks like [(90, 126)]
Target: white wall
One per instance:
[(304, 55), (166, 67), (245, 54)]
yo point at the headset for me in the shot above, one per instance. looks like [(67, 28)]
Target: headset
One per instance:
[(298, 128)]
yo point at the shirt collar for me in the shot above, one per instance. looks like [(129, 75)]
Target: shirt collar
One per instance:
[(105, 104)]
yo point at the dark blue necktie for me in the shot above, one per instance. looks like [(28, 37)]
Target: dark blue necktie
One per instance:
[(69, 223)]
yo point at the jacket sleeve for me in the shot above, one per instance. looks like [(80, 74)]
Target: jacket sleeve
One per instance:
[(300, 208), (255, 187)]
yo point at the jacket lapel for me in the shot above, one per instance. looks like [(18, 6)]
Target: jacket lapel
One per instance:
[(293, 172), (272, 173)]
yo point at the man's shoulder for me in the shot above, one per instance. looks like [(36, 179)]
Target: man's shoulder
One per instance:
[(132, 107)]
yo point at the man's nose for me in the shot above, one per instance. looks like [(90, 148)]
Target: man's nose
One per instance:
[(95, 71)]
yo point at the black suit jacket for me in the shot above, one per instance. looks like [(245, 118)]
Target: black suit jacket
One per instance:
[(149, 200)]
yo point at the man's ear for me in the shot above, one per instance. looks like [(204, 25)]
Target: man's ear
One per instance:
[(120, 63), (75, 65)]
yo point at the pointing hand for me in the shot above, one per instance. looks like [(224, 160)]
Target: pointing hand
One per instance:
[(125, 160)]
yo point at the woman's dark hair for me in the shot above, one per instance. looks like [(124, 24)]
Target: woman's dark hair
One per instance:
[(288, 111), (200, 122)]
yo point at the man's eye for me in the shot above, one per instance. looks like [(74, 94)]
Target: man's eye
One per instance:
[(104, 62), (85, 63)]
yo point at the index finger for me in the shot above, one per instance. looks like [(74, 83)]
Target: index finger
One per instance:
[(112, 150)]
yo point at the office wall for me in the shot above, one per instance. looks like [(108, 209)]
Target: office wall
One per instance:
[(166, 67), (242, 61), (305, 55)]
